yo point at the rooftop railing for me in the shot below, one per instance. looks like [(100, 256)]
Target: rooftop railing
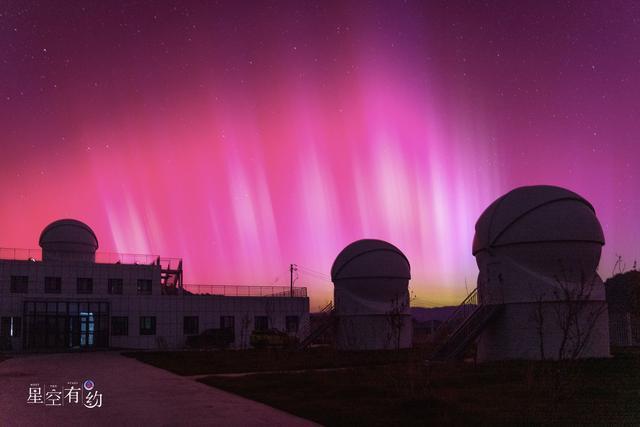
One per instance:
[(245, 291), (18, 254)]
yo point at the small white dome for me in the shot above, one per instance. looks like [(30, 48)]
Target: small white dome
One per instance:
[(68, 235), (370, 258)]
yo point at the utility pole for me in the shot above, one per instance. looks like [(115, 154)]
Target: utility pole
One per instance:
[(292, 268)]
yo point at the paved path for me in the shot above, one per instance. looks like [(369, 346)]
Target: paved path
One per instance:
[(134, 394)]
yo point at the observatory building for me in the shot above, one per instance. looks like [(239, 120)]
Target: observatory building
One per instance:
[(371, 296), (68, 295), (538, 250)]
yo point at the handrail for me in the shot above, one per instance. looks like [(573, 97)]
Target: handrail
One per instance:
[(445, 328), (327, 308), (471, 299)]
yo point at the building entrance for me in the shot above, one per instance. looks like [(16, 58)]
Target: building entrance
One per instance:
[(66, 324)]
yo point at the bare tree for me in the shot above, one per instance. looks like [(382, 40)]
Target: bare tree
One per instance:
[(576, 316), (396, 317)]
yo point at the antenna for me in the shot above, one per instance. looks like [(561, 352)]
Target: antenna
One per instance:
[(292, 268)]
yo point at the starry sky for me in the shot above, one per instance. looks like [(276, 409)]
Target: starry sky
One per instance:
[(244, 136)]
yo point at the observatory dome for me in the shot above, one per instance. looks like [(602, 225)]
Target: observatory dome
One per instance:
[(537, 214), (371, 269), (370, 258), (68, 235)]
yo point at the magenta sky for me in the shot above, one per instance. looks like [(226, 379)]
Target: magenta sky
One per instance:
[(245, 136)]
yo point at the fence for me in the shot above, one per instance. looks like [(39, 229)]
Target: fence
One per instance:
[(245, 291), (101, 257)]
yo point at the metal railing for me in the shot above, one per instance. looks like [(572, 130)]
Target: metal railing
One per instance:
[(245, 291), (463, 311), (18, 254)]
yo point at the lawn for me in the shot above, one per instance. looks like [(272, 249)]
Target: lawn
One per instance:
[(585, 392), (233, 361), (398, 388)]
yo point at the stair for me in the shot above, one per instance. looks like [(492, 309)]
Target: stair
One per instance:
[(464, 326), (458, 341), (326, 323)]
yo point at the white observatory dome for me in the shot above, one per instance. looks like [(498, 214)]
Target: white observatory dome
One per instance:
[(536, 214), (537, 250), (370, 269), (371, 296), (545, 231), (68, 239)]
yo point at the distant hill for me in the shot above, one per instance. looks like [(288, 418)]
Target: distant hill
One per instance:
[(424, 314)]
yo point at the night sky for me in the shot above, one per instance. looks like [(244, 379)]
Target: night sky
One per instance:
[(243, 136)]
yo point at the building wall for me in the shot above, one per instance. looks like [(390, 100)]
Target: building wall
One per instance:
[(169, 310), (624, 328)]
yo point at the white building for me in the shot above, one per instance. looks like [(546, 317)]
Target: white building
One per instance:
[(68, 296), (538, 250), (371, 279)]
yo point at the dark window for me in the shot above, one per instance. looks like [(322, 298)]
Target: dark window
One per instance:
[(85, 285), (52, 285), (261, 323), (19, 284), (10, 326), (120, 326), (292, 323), (144, 287), (147, 325), (227, 322), (115, 286), (190, 325)]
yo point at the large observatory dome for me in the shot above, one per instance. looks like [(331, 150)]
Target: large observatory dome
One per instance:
[(68, 236), (537, 214)]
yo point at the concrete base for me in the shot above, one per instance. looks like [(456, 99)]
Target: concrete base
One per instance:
[(533, 332), (374, 332)]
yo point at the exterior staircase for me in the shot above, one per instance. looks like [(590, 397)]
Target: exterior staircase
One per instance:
[(327, 322), (464, 326)]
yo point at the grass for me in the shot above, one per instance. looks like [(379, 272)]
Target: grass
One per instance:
[(233, 361), (585, 392), (389, 388)]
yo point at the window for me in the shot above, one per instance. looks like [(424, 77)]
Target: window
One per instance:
[(292, 323), (227, 322), (147, 325), (119, 326), (19, 284), (115, 286), (85, 285), (10, 326), (261, 323), (52, 285), (144, 287), (190, 325)]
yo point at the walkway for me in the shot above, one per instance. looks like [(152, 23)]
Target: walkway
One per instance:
[(133, 394)]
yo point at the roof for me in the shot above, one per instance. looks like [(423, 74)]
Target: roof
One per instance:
[(540, 213), (59, 234), (370, 258)]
